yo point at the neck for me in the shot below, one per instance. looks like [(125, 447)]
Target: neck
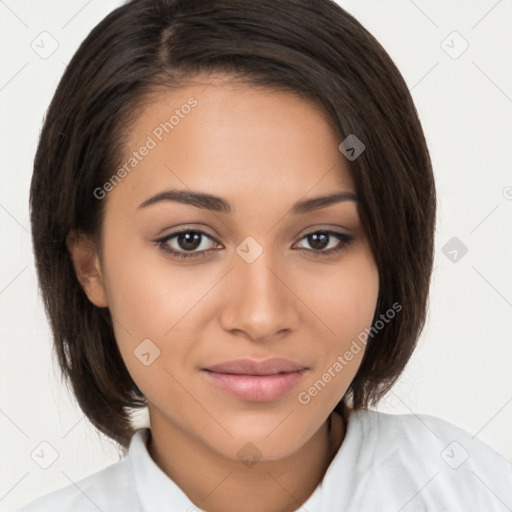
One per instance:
[(218, 484)]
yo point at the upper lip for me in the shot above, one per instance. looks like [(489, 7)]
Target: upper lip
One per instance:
[(249, 366)]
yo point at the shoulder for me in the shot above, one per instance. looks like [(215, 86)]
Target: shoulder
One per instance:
[(109, 489), (417, 432), (444, 461)]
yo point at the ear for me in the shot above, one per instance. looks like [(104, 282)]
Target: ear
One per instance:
[(84, 255)]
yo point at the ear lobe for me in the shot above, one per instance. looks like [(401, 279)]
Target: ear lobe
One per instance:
[(84, 256)]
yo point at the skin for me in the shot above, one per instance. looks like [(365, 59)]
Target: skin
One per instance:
[(261, 151)]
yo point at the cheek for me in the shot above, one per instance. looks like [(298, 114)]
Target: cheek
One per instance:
[(345, 296), (148, 294), (345, 303), (146, 298), (349, 303)]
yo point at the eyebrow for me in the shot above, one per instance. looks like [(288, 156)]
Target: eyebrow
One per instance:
[(217, 204)]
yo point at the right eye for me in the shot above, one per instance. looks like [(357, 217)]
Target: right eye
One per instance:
[(186, 243)]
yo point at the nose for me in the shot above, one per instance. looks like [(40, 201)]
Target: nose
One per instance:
[(260, 301)]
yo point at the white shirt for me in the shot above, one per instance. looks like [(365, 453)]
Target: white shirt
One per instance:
[(387, 462)]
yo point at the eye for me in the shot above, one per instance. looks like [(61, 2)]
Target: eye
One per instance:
[(326, 243), (187, 243)]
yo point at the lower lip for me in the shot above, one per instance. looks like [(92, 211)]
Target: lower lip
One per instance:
[(256, 388)]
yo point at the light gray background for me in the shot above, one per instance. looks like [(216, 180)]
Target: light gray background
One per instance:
[(461, 369)]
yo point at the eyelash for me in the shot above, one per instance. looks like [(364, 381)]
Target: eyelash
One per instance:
[(162, 244)]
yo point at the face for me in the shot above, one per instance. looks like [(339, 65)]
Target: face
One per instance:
[(250, 278)]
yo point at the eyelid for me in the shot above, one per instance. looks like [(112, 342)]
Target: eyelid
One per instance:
[(174, 234), (328, 228), (343, 238)]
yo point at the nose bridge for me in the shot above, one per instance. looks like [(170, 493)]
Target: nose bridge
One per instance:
[(259, 279), (260, 304)]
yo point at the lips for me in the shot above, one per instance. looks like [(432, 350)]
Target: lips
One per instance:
[(254, 367), (256, 381)]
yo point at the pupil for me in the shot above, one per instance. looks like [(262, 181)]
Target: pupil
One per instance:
[(189, 240), (318, 240)]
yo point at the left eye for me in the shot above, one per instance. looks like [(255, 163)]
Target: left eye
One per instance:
[(189, 243), (319, 240)]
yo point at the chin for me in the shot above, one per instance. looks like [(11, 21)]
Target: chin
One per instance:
[(261, 442)]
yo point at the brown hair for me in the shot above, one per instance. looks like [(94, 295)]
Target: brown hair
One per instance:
[(310, 47)]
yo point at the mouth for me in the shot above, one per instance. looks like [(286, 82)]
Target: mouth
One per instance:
[(256, 381)]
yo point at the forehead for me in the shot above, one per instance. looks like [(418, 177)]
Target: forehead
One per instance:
[(235, 141)]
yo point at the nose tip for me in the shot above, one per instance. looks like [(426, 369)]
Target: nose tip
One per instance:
[(260, 305)]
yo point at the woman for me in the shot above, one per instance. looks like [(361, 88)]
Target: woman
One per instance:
[(244, 245)]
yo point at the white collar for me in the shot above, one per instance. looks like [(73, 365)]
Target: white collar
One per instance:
[(155, 489)]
